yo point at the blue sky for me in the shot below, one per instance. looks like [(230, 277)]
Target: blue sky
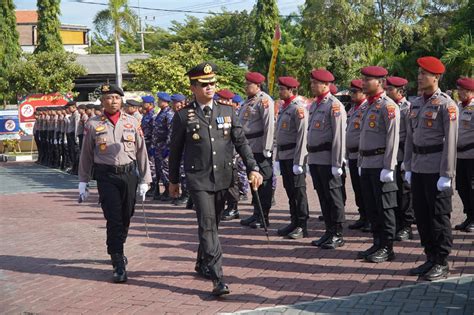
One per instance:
[(73, 12)]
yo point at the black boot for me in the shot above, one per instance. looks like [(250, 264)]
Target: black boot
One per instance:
[(202, 271), (357, 224), (249, 220), (118, 263), (323, 239), (220, 288), (287, 229), (438, 271), (466, 226), (384, 253), (258, 224), (372, 249), (166, 195), (423, 268), (156, 193), (404, 234), (299, 232), (183, 199), (232, 212), (336, 239), (151, 191)]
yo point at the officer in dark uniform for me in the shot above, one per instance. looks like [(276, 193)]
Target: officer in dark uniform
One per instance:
[(206, 132)]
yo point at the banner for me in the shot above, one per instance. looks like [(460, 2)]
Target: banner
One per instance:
[(271, 70), (9, 125)]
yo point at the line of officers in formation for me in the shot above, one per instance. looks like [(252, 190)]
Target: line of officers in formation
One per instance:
[(402, 159)]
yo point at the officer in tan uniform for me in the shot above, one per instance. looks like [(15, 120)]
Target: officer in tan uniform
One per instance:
[(404, 212), (131, 108), (465, 162), (291, 156), (430, 164), (378, 148), (114, 152), (257, 116), (326, 150)]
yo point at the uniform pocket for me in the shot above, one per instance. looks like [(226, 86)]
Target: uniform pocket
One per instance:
[(389, 195), (443, 202)]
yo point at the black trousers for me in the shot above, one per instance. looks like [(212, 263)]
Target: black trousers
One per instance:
[(295, 187), (73, 150), (433, 216), (233, 195), (380, 200), (209, 206), (355, 180), (38, 143), (331, 196), (117, 196), (404, 214), (465, 185), (265, 190)]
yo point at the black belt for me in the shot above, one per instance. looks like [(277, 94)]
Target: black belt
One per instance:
[(466, 147), (373, 152), (353, 150), (286, 147), (401, 146), (115, 169), (326, 146), (254, 135), (428, 149)]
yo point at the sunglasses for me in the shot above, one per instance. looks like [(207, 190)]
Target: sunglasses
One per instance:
[(206, 84)]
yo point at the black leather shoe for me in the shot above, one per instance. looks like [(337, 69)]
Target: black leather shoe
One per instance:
[(243, 198), (404, 234), (421, 269), (333, 242), (258, 224), (462, 225), (469, 228), (298, 233), (382, 254), (367, 228), (231, 215), (220, 288), (189, 204), (372, 249), (286, 230), (120, 273), (320, 217), (357, 225), (249, 220), (202, 271), (436, 272), (322, 240)]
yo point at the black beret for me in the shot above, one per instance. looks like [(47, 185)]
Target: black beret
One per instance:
[(133, 103), (111, 89)]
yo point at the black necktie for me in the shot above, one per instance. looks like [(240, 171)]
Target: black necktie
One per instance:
[(207, 111)]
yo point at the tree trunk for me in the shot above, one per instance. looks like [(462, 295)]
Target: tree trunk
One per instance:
[(118, 70)]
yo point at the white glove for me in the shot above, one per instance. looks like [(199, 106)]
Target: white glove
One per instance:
[(359, 170), (83, 191), (443, 183), (267, 153), (336, 171), (297, 169), (276, 167), (386, 176), (408, 177), (55, 141), (142, 189), (402, 166)]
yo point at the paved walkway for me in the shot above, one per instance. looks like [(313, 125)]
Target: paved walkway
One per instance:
[(53, 258)]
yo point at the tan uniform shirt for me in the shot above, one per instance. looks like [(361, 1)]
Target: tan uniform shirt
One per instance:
[(466, 130), (257, 116), (327, 125), (291, 130), (138, 117), (404, 121), (74, 122), (354, 126), (380, 130), (82, 122), (116, 145), (432, 122)]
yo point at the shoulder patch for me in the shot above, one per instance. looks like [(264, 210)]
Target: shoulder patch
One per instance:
[(265, 103), (300, 112), (452, 112), (391, 109), (336, 109)]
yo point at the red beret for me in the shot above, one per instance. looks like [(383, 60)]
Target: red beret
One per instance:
[(255, 77), (288, 82), (397, 81), (357, 84), (333, 88), (226, 94), (374, 71), (431, 64), (322, 75), (466, 83)]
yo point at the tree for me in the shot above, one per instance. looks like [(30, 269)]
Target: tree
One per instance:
[(266, 19), (45, 72), (460, 57), (49, 38), (120, 18), (10, 49)]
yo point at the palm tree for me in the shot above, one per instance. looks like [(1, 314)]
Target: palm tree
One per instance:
[(461, 55), (120, 18)]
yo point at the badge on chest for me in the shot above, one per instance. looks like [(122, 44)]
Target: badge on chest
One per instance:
[(224, 122)]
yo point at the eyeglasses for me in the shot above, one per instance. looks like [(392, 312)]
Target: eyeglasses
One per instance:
[(206, 84)]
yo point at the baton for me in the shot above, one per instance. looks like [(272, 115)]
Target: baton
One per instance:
[(258, 204), (144, 216)]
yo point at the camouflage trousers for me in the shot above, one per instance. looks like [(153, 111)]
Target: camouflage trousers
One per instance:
[(161, 166), (243, 181), (182, 176)]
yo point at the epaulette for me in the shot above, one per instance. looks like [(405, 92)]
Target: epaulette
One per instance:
[(224, 102)]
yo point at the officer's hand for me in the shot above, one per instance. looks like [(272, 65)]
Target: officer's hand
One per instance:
[(142, 189), (408, 177), (267, 153), (443, 183), (83, 192), (276, 167), (386, 176), (173, 190), (402, 166), (297, 169), (336, 171), (256, 179)]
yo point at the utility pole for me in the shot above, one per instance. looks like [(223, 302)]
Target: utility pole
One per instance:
[(141, 32)]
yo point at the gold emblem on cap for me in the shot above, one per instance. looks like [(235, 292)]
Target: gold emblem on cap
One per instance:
[(207, 69), (105, 88)]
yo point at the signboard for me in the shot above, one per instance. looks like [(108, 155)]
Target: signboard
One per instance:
[(9, 125), (28, 104)]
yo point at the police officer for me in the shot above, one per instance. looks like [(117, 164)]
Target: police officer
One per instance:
[(36, 132), (82, 121), (147, 127), (354, 124), (98, 110), (161, 141), (326, 150), (131, 108), (114, 151), (430, 163), (378, 148), (404, 212), (207, 133), (465, 148), (71, 132), (61, 138), (291, 156), (257, 116)]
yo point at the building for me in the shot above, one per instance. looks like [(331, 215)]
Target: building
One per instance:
[(75, 37)]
